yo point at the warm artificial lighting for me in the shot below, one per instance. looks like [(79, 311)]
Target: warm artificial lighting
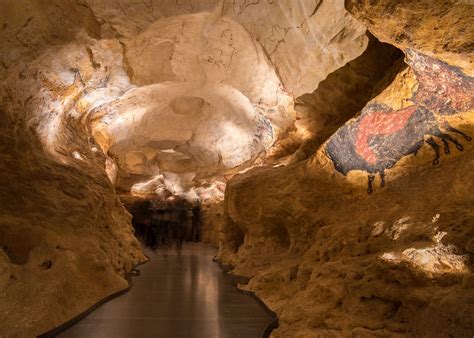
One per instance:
[(77, 156), (435, 259)]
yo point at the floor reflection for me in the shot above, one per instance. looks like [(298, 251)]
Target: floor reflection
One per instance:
[(177, 295)]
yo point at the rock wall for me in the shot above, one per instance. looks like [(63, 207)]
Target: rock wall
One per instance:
[(304, 39), (366, 233), (69, 66), (339, 97), (65, 240), (371, 236), (196, 65), (332, 260), (441, 28), (206, 101)]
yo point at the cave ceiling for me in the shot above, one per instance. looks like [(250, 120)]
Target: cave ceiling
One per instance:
[(177, 96)]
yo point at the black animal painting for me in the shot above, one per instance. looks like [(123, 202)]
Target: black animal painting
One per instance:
[(381, 135)]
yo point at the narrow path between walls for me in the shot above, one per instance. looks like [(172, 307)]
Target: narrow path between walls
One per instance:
[(177, 295)]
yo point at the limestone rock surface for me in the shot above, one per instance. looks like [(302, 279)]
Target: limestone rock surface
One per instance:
[(333, 260), (160, 96), (441, 28), (211, 103), (304, 39), (370, 236), (350, 211)]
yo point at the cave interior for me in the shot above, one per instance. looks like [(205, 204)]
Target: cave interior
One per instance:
[(285, 136)]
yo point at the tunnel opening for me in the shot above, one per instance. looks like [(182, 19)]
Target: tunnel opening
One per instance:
[(165, 224)]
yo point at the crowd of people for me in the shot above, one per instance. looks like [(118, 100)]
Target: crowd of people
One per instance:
[(166, 224)]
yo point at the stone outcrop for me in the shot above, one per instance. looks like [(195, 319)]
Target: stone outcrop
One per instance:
[(342, 95), (196, 73), (333, 260), (440, 28), (172, 96), (370, 237), (347, 156)]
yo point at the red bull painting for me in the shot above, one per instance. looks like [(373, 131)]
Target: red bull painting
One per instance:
[(381, 136)]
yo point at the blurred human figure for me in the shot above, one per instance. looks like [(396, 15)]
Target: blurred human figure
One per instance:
[(141, 220), (196, 222), (166, 223), (156, 226), (180, 226)]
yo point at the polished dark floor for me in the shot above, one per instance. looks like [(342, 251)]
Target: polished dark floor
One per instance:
[(177, 295)]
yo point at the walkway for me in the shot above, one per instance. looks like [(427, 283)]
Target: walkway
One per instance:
[(177, 296)]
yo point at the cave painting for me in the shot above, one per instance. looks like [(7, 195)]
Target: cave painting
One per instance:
[(443, 89), (381, 135)]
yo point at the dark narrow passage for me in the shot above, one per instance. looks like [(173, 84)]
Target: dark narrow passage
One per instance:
[(177, 295), (164, 223)]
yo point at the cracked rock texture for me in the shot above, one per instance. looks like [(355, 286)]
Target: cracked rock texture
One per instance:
[(333, 261), (371, 236), (209, 102), (323, 29), (441, 28), (172, 95), (66, 241), (334, 164)]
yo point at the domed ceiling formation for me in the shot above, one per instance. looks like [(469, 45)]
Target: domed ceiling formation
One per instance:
[(340, 132), (204, 102), (179, 101)]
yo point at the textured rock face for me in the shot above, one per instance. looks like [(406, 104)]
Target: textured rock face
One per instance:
[(208, 102), (342, 95), (59, 252), (170, 95), (397, 261), (441, 28), (371, 236), (364, 229), (389, 129), (226, 83), (66, 241), (304, 39), (333, 260)]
